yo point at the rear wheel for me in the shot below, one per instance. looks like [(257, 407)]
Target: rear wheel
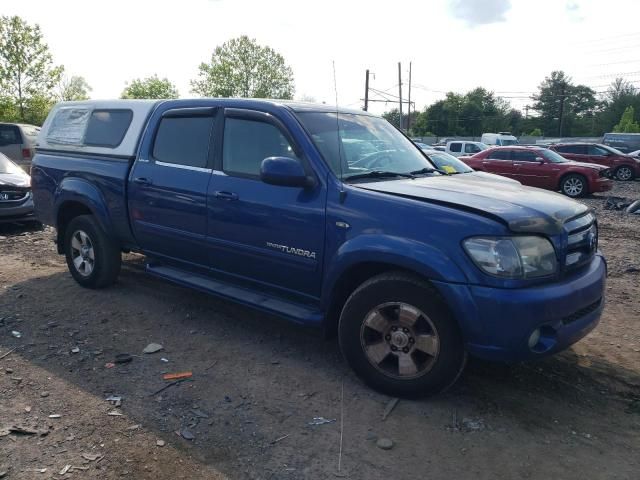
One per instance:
[(624, 173), (92, 257), (399, 337), (574, 185)]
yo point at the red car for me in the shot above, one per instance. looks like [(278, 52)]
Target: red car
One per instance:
[(624, 167), (543, 168)]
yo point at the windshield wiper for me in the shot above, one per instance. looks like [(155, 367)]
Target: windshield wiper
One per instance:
[(378, 174), (429, 170)]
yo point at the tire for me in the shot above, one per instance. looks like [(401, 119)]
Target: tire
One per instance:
[(624, 173), (386, 328), (92, 257), (574, 185)]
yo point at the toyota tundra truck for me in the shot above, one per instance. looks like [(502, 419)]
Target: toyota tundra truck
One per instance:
[(259, 202)]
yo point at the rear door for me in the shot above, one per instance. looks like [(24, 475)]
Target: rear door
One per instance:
[(11, 142), (498, 161), (258, 232), (168, 187), (455, 149)]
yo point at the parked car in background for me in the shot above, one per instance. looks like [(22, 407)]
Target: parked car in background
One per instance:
[(17, 141), (458, 148), (624, 167), (254, 201), (543, 168), (625, 142), (498, 139), (16, 202), (421, 145), (452, 165), (443, 142)]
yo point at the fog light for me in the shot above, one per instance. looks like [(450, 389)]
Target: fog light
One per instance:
[(534, 338)]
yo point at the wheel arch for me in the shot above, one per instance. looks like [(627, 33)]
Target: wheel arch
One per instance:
[(575, 173)]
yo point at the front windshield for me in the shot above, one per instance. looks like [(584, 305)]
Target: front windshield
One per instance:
[(7, 166), (448, 163), (612, 150), (362, 144), (554, 157)]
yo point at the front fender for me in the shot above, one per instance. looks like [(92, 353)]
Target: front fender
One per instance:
[(83, 192), (426, 260)]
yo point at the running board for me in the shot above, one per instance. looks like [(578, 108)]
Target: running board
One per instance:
[(294, 311)]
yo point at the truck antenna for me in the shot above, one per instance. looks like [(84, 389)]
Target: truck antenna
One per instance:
[(335, 88)]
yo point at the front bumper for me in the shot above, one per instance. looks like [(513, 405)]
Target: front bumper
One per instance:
[(602, 185), (497, 323), (17, 213)]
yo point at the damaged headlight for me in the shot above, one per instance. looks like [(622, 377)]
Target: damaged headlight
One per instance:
[(513, 257)]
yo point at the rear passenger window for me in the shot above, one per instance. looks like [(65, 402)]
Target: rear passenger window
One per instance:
[(575, 149), (107, 128), (499, 155), (183, 141), (9, 135), (248, 142), (455, 147)]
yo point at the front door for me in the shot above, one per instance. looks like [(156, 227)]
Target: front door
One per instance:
[(498, 161), (168, 188), (531, 169), (260, 232), (11, 142)]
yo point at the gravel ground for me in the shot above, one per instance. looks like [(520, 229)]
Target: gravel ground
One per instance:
[(258, 383)]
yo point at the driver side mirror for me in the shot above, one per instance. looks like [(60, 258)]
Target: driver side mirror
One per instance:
[(285, 172), (540, 160)]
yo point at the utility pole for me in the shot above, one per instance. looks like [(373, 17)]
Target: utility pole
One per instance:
[(366, 91), (400, 91), (526, 111), (409, 102), (562, 98)]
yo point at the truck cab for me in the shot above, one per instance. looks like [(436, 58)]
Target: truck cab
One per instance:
[(328, 217)]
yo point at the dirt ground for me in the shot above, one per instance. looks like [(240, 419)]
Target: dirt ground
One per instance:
[(258, 383)]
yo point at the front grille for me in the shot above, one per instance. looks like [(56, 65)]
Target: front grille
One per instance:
[(577, 315), (11, 197), (582, 241)]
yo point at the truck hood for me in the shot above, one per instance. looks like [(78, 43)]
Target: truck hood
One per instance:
[(523, 209)]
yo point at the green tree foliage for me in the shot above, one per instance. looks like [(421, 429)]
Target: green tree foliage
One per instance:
[(73, 88), (536, 132), (150, 87), (243, 68), (27, 72), (627, 123), (393, 117), (557, 94), (620, 95)]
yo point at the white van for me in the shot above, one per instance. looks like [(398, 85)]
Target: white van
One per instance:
[(499, 139), (459, 148)]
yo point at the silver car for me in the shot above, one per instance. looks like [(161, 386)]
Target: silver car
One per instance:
[(16, 202), (17, 141)]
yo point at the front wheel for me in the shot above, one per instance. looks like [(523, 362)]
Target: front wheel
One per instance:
[(400, 338), (624, 173), (574, 186), (92, 257)]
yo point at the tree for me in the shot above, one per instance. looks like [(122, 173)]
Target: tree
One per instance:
[(620, 95), (560, 103), (536, 132), (243, 68), (393, 117), (627, 124), (73, 88), (150, 87), (27, 72)]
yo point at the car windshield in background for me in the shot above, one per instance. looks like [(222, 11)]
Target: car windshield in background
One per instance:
[(553, 157), (363, 144), (508, 142), (7, 166), (448, 163), (612, 150)]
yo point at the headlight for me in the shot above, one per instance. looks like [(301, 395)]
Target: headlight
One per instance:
[(513, 257)]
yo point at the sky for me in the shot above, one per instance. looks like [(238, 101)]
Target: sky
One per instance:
[(506, 46)]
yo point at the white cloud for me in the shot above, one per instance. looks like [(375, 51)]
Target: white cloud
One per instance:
[(475, 12)]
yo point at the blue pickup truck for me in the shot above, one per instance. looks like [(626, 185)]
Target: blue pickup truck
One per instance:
[(328, 217)]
